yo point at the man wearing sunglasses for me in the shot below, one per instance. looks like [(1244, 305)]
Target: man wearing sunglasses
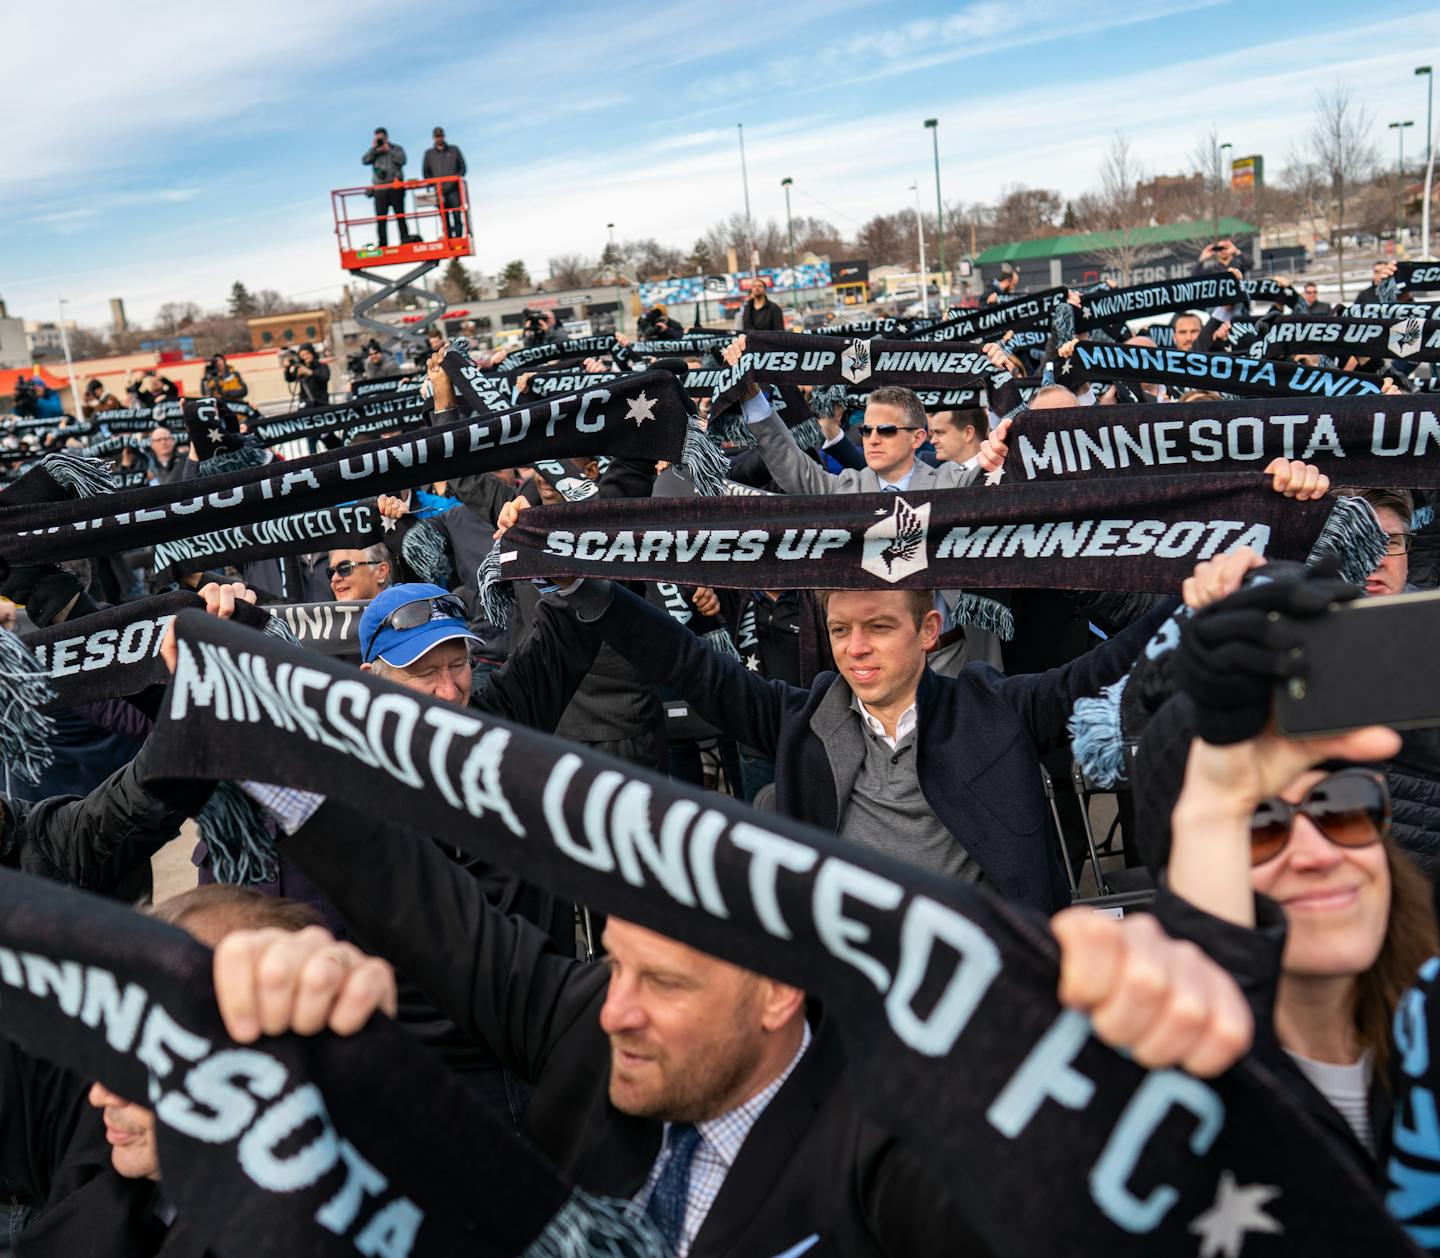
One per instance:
[(894, 428)]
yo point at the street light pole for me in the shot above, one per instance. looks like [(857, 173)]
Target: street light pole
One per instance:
[(75, 399), (1429, 157), (920, 238), (749, 224), (790, 231), (934, 127), (1399, 129), (1220, 184)]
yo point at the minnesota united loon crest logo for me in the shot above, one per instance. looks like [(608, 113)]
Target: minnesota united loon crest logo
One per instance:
[(895, 546), (855, 361), (1405, 337)]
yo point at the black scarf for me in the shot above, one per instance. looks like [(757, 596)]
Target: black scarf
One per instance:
[(1130, 534), (551, 383), (800, 358), (642, 416), (331, 628), (1389, 310), (1114, 305), (383, 385), (349, 526), (1411, 338), (327, 1152), (1417, 276), (944, 995), (986, 322), (377, 414), (685, 346), (1224, 373), (580, 347), (1271, 291), (144, 418), (1380, 440)]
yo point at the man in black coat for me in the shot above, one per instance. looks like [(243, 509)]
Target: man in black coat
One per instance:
[(760, 314), (940, 771)]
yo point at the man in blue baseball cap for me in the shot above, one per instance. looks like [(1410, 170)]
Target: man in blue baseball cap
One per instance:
[(416, 635)]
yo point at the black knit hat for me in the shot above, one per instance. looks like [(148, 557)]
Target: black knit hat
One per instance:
[(216, 438)]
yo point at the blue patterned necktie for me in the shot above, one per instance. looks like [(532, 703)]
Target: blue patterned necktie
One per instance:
[(888, 488), (666, 1208)]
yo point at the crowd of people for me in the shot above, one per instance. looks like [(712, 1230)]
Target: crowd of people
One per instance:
[(918, 724)]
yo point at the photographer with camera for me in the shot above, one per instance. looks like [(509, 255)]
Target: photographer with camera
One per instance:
[(311, 377), (540, 329), (223, 381), (387, 161), (657, 325)]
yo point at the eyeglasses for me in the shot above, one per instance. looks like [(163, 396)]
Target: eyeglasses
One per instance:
[(887, 430), (1398, 543), (414, 614), (1351, 808), (346, 566)]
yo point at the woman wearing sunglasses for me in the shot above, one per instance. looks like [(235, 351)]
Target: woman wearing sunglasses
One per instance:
[(1280, 863)]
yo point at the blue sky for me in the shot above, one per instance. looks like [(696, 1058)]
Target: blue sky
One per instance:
[(166, 149)]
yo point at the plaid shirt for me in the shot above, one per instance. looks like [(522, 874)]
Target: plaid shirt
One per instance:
[(290, 807), (720, 1142)]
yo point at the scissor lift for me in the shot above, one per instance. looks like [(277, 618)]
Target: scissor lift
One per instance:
[(428, 222)]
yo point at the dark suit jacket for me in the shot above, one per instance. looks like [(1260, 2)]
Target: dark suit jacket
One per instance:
[(815, 1163), (980, 738)]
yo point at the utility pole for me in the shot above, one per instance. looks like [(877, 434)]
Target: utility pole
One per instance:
[(790, 230), (749, 223), (933, 124), (920, 239), (1429, 157), (1220, 182), (75, 399), (1399, 129)]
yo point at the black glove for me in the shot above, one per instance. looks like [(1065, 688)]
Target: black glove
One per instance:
[(1235, 652)]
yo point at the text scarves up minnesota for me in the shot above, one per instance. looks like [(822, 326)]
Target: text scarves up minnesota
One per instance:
[(945, 996)]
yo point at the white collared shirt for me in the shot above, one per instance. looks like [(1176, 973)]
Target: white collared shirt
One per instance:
[(904, 727), (720, 1142)]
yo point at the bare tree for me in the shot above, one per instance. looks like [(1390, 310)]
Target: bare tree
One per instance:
[(1119, 212), (1025, 213), (572, 270), (1339, 139), (1207, 162), (174, 315)]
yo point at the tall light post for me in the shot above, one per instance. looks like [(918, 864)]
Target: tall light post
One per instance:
[(920, 240), (790, 231), (1399, 129), (1221, 178), (75, 399), (749, 224), (933, 125), (1429, 156)]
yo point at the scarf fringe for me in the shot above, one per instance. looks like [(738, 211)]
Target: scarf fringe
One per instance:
[(78, 475), (730, 429), (1097, 740), (233, 460), (241, 847), (807, 435), (26, 733), (425, 553), (702, 459), (825, 398), (276, 627), (496, 594), (1424, 517), (722, 642), (1354, 536), (980, 612), (587, 1226)]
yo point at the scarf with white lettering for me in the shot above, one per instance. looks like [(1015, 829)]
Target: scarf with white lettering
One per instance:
[(344, 1146), (1137, 534), (350, 419), (144, 418), (1103, 306), (944, 996), (793, 358), (579, 347), (1383, 439), (986, 323), (1411, 338), (381, 385), (642, 417), (1417, 276), (1223, 373), (331, 628)]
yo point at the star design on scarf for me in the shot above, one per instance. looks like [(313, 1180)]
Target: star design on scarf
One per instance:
[(217, 434), (1067, 367), (1237, 1211), (388, 522), (752, 662), (995, 477), (641, 409)]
